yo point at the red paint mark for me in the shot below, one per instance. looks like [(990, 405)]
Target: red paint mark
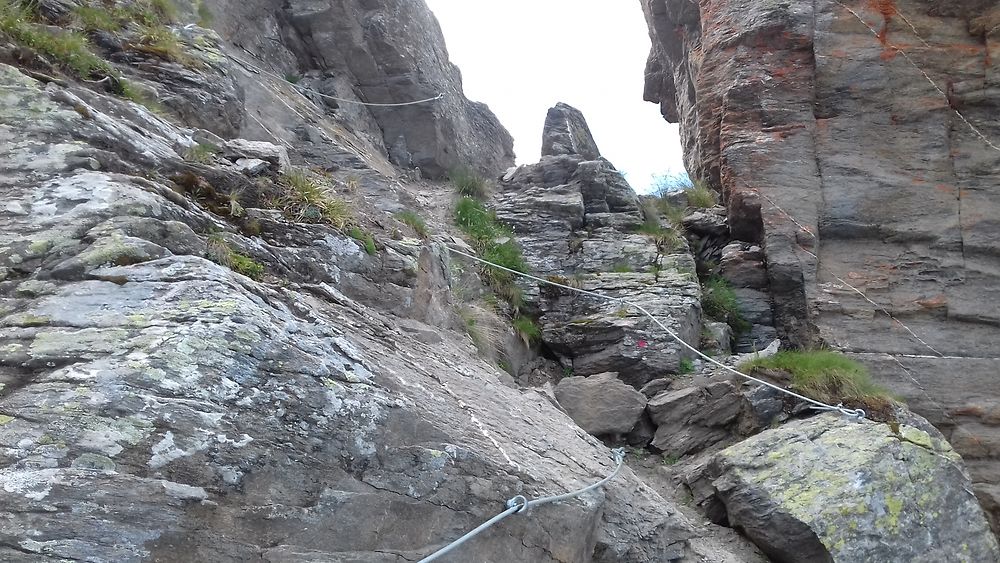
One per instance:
[(643, 343)]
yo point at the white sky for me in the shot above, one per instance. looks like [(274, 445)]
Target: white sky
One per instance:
[(522, 56)]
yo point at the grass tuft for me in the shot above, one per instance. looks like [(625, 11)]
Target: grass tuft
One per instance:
[(415, 221), (219, 251), (495, 243), (69, 49), (700, 196), (527, 329), (718, 301), (827, 376), (307, 200), (468, 183), (203, 153), (686, 366)]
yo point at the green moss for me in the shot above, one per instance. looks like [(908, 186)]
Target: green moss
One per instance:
[(686, 366), (98, 18), (364, 238), (4, 419), (219, 251), (622, 268), (243, 264)]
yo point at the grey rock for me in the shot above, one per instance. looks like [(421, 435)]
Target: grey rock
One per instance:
[(252, 166), (691, 419), (242, 149), (719, 337), (566, 132), (188, 413), (829, 489), (656, 386), (392, 51), (743, 266), (575, 220), (601, 404)]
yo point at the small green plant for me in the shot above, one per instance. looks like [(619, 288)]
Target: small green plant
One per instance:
[(205, 15), (468, 183), (163, 43), (219, 251), (686, 366), (827, 376), (567, 371), (70, 49), (415, 221), (364, 238), (293, 78), (527, 329), (700, 196), (165, 9), (718, 301), (622, 268), (97, 18), (485, 230), (202, 153), (670, 460), (307, 200)]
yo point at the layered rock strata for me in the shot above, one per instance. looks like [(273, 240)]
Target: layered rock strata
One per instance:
[(578, 222), (856, 142)]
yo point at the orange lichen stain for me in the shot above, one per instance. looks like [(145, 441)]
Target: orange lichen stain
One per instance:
[(888, 54), (918, 180), (936, 302), (945, 189)]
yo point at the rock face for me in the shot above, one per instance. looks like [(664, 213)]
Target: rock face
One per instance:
[(383, 52), (803, 491), (578, 222), (826, 113), (601, 404), (566, 132), (159, 406)]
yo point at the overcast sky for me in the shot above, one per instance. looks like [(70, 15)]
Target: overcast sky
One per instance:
[(522, 56)]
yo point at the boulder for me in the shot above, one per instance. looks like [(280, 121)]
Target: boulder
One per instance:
[(601, 404), (691, 419), (832, 489), (243, 149), (566, 132)]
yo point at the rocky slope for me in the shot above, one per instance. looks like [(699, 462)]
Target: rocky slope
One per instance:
[(857, 142), (231, 327)]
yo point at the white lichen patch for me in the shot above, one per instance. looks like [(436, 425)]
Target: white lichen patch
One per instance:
[(34, 485)]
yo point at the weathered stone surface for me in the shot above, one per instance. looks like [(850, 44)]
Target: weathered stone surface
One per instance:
[(576, 221), (383, 51), (693, 418), (830, 489), (601, 404), (566, 132), (786, 108), (159, 406), (275, 155)]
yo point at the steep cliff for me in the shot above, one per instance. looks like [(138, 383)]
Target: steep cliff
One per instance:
[(858, 143)]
